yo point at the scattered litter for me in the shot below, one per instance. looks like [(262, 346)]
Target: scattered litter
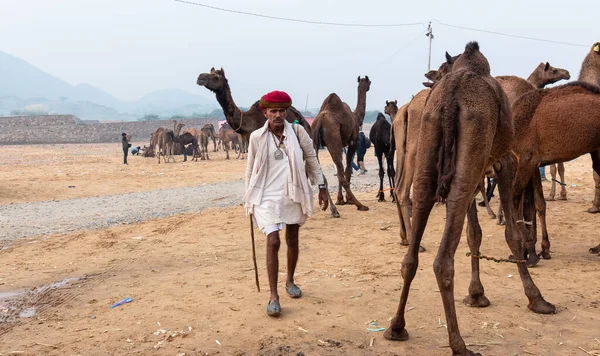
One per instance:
[(503, 336), (376, 330), (411, 308), (356, 296), (71, 186), (129, 340), (301, 329), (524, 329), (573, 185), (158, 345), (218, 342), (510, 276), (375, 327), (137, 238), (160, 331), (93, 317), (126, 300), (372, 341), (234, 309)]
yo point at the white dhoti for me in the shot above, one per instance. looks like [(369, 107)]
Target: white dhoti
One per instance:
[(276, 209)]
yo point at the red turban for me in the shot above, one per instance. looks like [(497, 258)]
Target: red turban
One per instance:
[(275, 100)]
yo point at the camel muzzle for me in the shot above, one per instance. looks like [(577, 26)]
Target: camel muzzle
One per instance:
[(203, 79)]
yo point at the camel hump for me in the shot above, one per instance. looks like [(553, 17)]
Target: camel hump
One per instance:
[(471, 48), (582, 86), (473, 60)]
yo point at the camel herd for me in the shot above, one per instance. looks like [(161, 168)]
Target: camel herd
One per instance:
[(194, 142), (463, 126)]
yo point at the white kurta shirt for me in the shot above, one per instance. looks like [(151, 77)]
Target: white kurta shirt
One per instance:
[(276, 207)]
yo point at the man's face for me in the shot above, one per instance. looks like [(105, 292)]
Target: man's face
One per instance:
[(275, 117)]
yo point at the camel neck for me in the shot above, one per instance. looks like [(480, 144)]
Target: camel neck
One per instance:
[(536, 80), (231, 111), (361, 105)]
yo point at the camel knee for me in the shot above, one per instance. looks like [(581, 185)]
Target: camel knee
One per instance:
[(444, 272), (409, 267)]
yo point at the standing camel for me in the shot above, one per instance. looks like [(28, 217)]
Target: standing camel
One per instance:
[(209, 130), (166, 141), (406, 128), (336, 126), (245, 122), (185, 139), (466, 126), (544, 74), (590, 73), (380, 137), (202, 140)]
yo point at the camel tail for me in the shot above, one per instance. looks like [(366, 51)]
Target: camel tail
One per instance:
[(402, 119), (447, 155), (317, 133)]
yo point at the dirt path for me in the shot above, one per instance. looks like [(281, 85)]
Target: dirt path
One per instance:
[(192, 283)]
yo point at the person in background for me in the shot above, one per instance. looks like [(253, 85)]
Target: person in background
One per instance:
[(135, 151), (361, 149), (126, 145)]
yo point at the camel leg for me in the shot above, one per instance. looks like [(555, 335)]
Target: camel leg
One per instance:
[(334, 213), (540, 208), (350, 198), (421, 210), (505, 176), (381, 194), (553, 188), (563, 187), (481, 188), (596, 204), (389, 158), (529, 215), (404, 197), (476, 297)]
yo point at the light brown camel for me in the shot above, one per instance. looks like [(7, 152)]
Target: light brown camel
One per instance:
[(405, 132), (544, 74), (391, 108), (209, 130), (166, 142), (336, 126), (590, 73), (466, 126), (245, 122)]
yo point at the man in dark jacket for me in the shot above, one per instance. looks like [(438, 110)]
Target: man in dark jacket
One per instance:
[(126, 145), (361, 149)]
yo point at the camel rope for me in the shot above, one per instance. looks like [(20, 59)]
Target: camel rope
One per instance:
[(241, 121), (497, 260), (559, 182)]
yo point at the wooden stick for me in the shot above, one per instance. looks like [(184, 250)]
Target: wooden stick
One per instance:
[(254, 254)]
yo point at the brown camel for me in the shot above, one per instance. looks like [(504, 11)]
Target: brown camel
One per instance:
[(248, 121), (540, 115), (466, 126), (380, 136), (202, 140), (405, 132), (590, 73), (544, 74), (336, 126), (166, 142), (185, 139), (209, 130)]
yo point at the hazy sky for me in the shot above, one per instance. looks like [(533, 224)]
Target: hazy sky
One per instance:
[(132, 47)]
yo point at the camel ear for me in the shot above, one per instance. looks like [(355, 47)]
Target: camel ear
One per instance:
[(547, 66), (358, 80), (367, 78), (448, 58), (396, 102), (427, 84), (386, 102), (212, 70)]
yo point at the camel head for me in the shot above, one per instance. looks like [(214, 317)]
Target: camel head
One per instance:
[(214, 81), (547, 74), (364, 83), (445, 68), (390, 107)]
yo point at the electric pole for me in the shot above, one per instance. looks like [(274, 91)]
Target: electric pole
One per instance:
[(430, 35)]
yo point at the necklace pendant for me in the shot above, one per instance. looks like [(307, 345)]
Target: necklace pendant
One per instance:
[(278, 154), (281, 145)]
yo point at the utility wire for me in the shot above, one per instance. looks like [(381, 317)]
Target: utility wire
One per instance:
[(403, 48), (300, 20), (509, 35)]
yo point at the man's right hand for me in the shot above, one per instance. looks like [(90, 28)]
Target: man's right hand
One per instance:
[(323, 198)]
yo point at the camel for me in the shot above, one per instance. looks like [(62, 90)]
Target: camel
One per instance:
[(405, 132), (166, 141), (202, 140), (466, 126), (544, 74), (542, 113), (590, 73), (336, 126), (209, 130), (246, 122), (185, 139), (380, 136)]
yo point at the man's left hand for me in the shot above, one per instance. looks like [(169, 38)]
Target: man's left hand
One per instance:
[(323, 198)]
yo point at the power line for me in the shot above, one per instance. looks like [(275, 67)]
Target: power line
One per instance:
[(403, 48), (510, 35), (299, 20)]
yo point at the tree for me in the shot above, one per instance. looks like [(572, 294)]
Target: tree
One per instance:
[(36, 109), (149, 117)]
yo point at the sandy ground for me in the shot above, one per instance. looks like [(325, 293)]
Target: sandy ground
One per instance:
[(192, 281)]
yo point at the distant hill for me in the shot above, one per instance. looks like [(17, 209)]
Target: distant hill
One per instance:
[(23, 84)]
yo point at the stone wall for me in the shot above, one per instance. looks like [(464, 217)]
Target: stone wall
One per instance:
[(68, 129)]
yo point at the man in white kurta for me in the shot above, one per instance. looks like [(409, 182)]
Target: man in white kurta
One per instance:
[(278, 193)]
